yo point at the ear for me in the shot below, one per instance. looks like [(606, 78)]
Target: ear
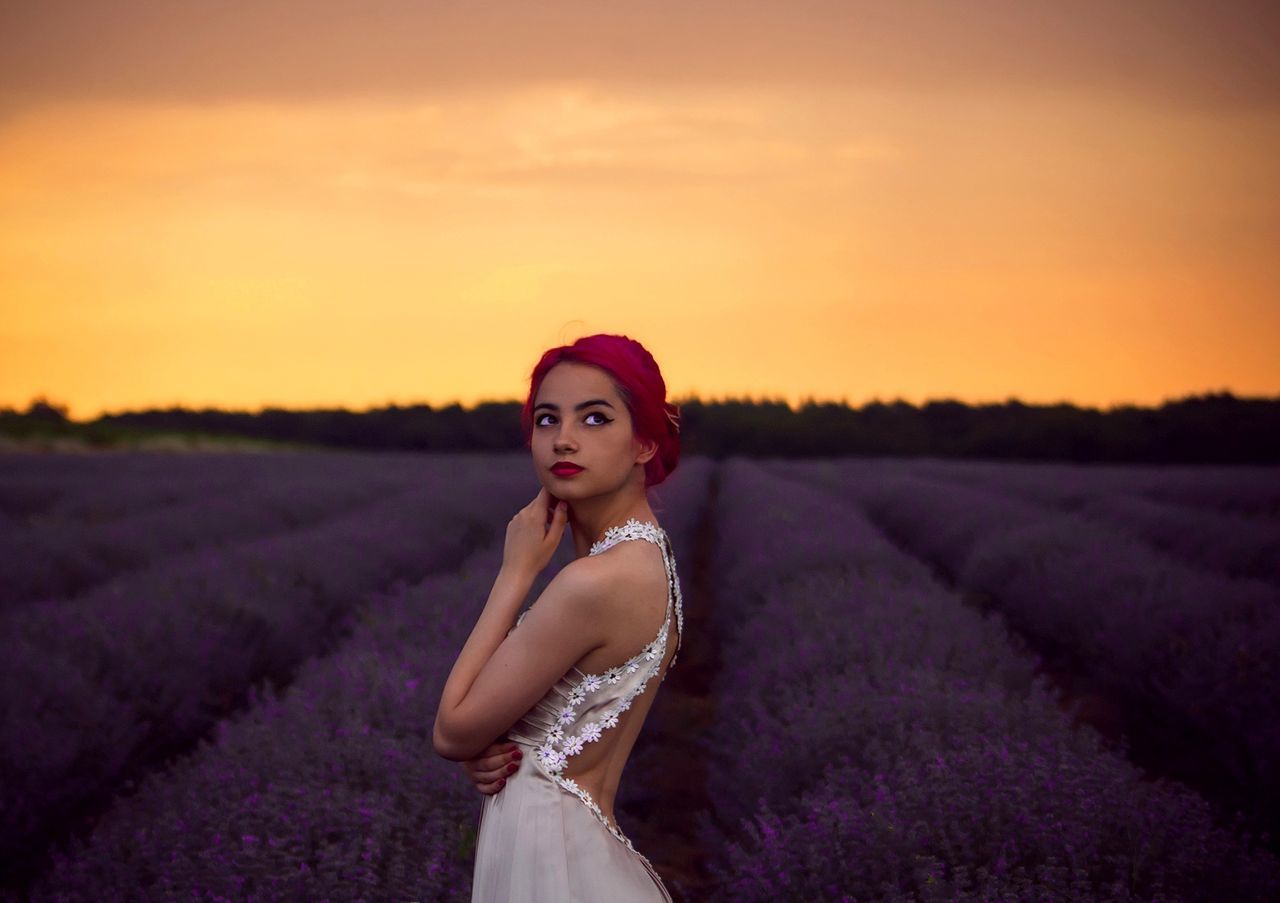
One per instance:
[(648, 450)]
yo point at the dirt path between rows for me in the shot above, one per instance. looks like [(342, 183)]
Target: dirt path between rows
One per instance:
[(666, 830)]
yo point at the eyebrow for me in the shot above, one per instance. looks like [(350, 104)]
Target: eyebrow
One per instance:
[(577, 407)]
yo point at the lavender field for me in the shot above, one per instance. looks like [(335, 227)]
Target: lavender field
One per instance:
[(900, 679)]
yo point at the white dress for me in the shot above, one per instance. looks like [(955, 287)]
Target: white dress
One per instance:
[(542, 838)]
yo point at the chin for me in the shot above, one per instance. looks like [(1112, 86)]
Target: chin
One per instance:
[(561, 489)]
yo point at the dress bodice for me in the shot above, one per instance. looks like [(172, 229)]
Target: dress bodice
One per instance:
[(581, 708)]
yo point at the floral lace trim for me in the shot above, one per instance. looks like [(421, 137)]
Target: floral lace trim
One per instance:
[(553, 760), (572, 786), (557, 747), (637, 529), (630, 529)]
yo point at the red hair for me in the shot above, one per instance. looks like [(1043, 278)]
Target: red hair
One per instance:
[(638, 380)]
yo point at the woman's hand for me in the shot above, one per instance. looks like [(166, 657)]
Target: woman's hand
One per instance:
[(534, 534), (489, 770)]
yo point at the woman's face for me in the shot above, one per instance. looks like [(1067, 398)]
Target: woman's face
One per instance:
[(578, 416)]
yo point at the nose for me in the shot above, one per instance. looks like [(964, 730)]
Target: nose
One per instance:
[(564, 437)]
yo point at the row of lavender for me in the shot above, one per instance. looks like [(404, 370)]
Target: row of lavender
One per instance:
[(878, 739), (1249, 491), (1225, 520), (1185, 646), (332, 790), (71, 530), (97, 689), (93, 487)]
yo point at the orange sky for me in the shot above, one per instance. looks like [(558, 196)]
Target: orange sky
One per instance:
[(296, 204)]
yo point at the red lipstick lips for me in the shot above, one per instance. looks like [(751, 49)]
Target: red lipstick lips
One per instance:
[(565, 469)]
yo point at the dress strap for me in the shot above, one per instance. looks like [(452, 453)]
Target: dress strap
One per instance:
[(673, 595), (637, 529)]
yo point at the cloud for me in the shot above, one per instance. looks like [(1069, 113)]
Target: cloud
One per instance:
[(1174, 54)]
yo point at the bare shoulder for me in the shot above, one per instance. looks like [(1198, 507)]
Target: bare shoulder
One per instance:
[(637, 560), (588, 590), (625, 572)]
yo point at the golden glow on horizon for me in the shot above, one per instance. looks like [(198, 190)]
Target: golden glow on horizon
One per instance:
[(855, 245)]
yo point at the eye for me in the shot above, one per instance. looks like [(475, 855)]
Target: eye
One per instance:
[(538, 420)]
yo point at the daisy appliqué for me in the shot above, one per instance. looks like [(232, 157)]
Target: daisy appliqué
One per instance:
[(559, 746)]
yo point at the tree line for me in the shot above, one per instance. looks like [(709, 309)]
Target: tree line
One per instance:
[(1201, 429)]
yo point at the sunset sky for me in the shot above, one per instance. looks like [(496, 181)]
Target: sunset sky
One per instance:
[(350, 204)]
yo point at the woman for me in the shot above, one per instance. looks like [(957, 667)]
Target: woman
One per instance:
[(571, 687)]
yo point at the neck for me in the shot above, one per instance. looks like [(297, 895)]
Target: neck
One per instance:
[(590, 528)]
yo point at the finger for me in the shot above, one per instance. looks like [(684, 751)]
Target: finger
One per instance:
[(497, 755), (506, 762), (493, 764), (495, 777), (493, 757), (478, 765), (506, 770)]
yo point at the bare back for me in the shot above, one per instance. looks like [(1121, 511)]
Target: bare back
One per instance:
[(586, 726), (579, 735), (637, 613)]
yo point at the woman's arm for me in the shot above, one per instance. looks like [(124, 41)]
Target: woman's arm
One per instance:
[(509, 591), (498, 678)]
